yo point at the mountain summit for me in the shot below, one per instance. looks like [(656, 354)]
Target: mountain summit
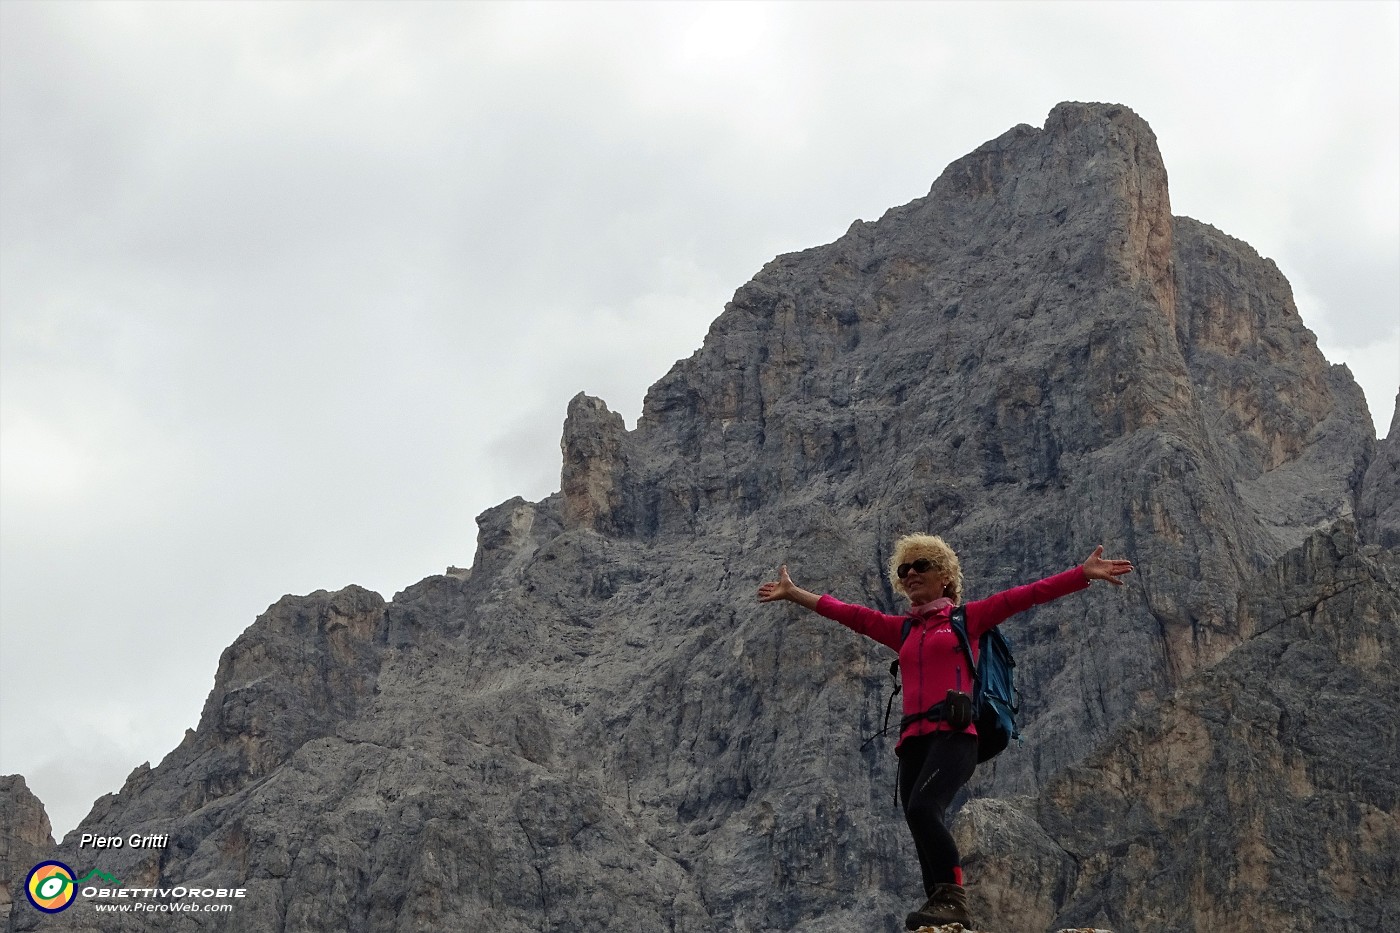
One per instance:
[(596, 727)]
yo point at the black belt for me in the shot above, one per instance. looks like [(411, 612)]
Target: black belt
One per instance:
[(938, 712)]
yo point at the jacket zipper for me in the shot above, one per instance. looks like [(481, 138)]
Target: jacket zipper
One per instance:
[(923, 636)]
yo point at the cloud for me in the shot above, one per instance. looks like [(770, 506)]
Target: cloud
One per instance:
[(291, 294)]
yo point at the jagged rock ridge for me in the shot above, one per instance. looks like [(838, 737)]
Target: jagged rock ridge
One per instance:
[(597, 728), (25, 837)]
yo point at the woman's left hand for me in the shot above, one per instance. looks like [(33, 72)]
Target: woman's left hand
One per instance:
[(1096, 567)]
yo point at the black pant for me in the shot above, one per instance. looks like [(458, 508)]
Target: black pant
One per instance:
[(931, 770)]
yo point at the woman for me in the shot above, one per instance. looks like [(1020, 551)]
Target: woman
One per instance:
[(936, 756)]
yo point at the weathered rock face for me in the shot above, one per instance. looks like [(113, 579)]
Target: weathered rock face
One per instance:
[(1262, 796), (1380, 492), (26, 837), (1035, 358), (959, 928), (304, 670), (598, 728), (590, 481)]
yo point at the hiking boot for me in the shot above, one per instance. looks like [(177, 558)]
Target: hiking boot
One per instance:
[(947, 904)]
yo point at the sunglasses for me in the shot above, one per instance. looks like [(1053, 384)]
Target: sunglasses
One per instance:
[(922, 565)]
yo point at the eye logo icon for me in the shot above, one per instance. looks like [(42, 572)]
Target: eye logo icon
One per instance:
[(50, 887)]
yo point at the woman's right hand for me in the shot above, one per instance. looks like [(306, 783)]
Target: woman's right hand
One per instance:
[(781, 588)]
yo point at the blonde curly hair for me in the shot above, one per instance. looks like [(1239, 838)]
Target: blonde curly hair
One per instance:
[(934, 549)]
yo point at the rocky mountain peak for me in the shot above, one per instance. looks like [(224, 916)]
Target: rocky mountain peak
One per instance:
[(1034, 358)]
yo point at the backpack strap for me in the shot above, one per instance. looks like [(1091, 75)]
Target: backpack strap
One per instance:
[(958, 619), (903, 637), (898, 687)]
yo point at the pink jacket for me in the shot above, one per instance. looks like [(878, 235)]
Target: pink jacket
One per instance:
[(931, 661)]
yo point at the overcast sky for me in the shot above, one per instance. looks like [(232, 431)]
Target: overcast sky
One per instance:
[(289, 293)]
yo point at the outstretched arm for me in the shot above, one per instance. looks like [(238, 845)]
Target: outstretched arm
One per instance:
[(982, 614), (784, 588), (1097, 568)]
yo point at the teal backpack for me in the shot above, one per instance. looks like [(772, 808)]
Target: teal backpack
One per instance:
[(995, 699)]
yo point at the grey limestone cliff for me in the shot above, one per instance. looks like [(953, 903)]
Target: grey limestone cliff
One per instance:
[(25, 837), (1380, 492), (597, 727), (1261, 796)]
